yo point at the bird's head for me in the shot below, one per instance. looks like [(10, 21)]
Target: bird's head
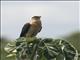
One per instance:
[(36, 17)]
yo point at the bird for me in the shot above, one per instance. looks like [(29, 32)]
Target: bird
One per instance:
[(32, 28)]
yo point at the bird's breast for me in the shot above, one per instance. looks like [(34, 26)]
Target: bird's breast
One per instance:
[(34, 29), (35, 26)]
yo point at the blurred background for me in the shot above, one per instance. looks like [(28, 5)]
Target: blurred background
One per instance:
[(60, 20)]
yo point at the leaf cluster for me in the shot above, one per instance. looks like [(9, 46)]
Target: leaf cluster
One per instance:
[(43, 49)]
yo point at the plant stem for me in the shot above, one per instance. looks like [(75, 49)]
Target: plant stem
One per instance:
[(34, 51)]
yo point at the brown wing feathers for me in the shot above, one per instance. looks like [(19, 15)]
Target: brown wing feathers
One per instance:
[(25, 30)]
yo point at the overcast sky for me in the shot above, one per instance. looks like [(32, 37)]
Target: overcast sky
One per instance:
[(59, 18)]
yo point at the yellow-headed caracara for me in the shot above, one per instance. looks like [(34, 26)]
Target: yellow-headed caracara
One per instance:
[(31, 29)]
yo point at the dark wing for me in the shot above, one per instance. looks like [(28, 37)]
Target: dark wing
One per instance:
[(25, 30), (40, 28)]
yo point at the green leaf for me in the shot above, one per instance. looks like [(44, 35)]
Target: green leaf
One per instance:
[(42, 49)]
